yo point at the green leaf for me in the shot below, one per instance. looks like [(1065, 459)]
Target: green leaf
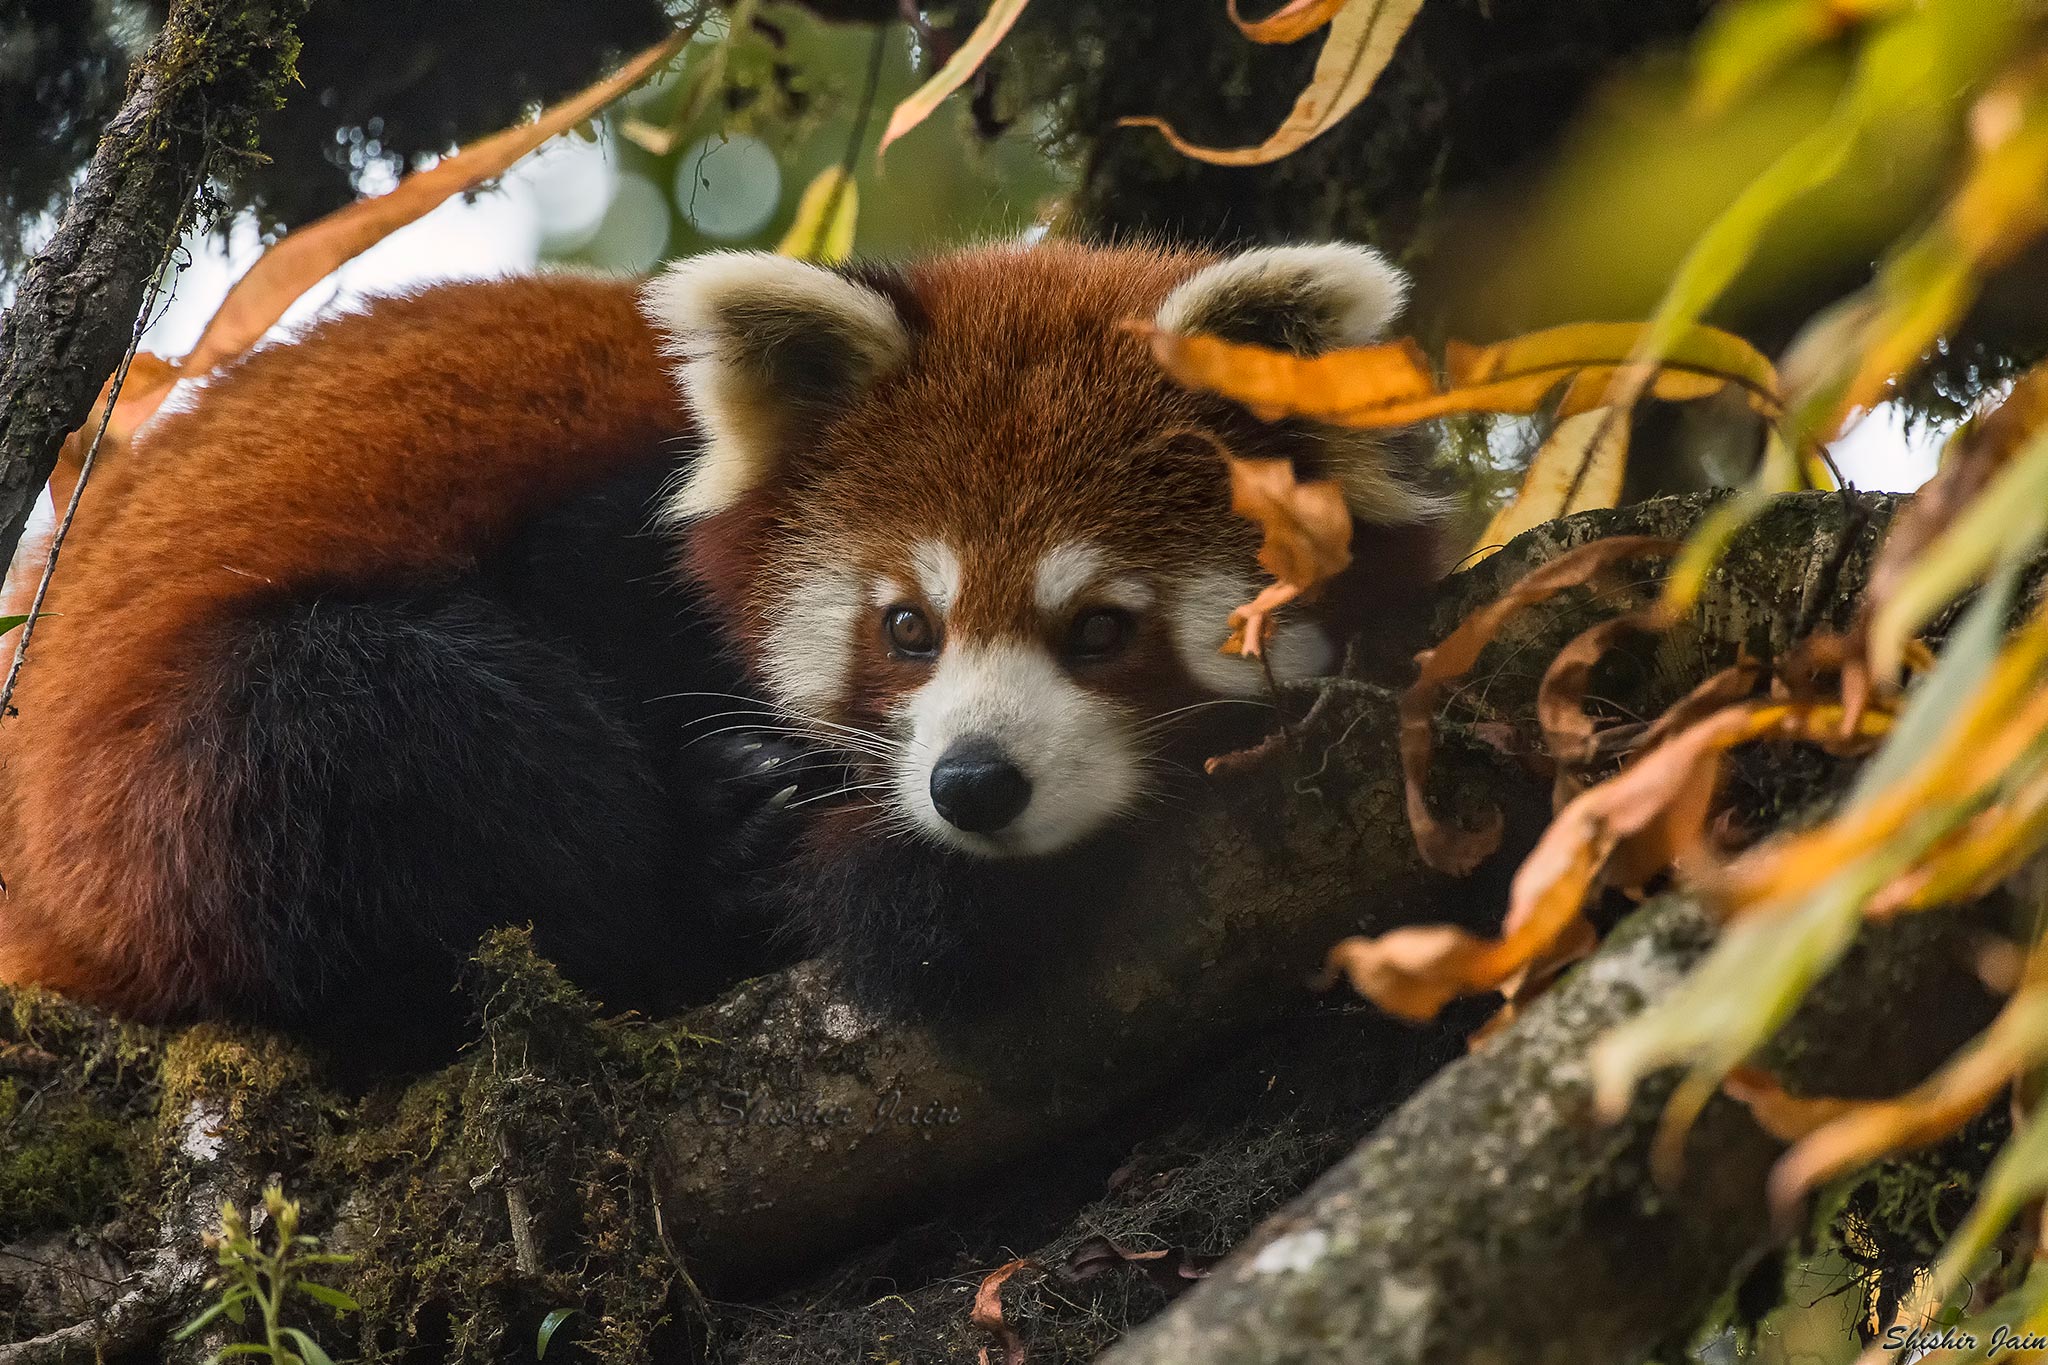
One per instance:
[(333, 1298), (8, 623), (227, 1303), (244, 1349), (2003, 523), (549, 1325), (308, 1347)]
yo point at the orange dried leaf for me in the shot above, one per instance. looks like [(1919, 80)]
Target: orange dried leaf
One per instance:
[(1363, 35), (1391, 384), (2016, 1041), (303, 258), (1561, 698), (1000, 18), (1290, 23), (1444, 847), (988, 1313), (1308, 540), (1786, 1117), (1649, 816)]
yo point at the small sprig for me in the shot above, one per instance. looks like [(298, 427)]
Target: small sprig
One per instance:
[(252, 1275)]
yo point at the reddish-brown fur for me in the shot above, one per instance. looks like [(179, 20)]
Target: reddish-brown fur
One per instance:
[(401, 446), (396, 446)]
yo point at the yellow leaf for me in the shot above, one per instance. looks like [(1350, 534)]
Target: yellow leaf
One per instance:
[(1307, 540), (825, 216), (1925, 288), (1579, 466), (1290, 23), (1391, 384), (959, 69), (1362, 39), (2003, 523)]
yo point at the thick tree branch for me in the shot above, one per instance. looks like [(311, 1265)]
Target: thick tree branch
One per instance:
[(1495, 1218)]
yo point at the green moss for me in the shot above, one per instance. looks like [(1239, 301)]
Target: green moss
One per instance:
[(540, 1139), (257, 1090), (64, 1161), (77, 1096)]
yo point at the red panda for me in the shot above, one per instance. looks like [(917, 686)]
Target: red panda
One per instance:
[(420, 623)]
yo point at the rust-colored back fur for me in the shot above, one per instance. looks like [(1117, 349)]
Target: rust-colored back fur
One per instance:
[(386, 448)]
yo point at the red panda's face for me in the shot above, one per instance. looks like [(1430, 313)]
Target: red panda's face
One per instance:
[(969, 533)]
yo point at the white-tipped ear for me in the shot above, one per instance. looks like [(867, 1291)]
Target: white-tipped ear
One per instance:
[(767, 347), (1305, 299)]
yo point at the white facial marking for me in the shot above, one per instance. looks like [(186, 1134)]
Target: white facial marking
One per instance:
[(809, 646), (938, 572), (1072, 745), (1063, 573), (1132, 594), (888, 592), (1200, 621)]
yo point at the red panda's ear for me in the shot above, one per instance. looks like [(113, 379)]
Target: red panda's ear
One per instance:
[(1305, 299), (767, 348), (1312, 299)]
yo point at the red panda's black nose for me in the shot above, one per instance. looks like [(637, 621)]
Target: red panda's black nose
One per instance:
[(975, 787)]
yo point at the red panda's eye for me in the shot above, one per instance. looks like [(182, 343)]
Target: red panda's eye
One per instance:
[(1100, 633), (910, 633)]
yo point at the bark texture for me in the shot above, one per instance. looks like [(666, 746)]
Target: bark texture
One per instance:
[(212, 67)]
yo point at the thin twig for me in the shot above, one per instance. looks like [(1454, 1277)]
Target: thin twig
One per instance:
[(35, 609)]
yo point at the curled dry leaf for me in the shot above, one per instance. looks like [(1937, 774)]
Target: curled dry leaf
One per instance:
[(1363, 35), (1290, 23), (1392, 383), (1308, 540), (1445, 848), (2016, 1041), (1648, 817), (1000, 17), (988, 1313), (1561, 699)]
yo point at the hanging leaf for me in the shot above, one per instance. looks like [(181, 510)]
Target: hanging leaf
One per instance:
[(1648, 817), (1290, 23), (825, 217), (1446, 848), (1308, 540), (304, 257), (1392, 384), (1745, 42), (1002, 15), (1579, 466), (1363, 35)]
